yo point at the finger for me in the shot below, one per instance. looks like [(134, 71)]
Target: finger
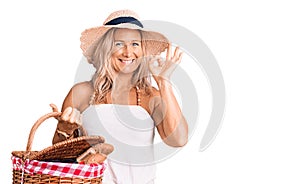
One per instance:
[(150, 59), (177, 55), (75, 116), (180, 57), (54, 107), (160, 61), (150, 64), (153, 61), (66, 114), (169, 52), (78, 119), (177, 52)]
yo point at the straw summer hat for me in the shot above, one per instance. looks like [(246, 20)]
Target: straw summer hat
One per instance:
[(154, 42)]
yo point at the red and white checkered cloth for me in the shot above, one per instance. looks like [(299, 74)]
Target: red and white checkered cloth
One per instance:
[(59, 169)]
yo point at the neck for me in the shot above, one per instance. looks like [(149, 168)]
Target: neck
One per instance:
[(120, 93), (122, 82)]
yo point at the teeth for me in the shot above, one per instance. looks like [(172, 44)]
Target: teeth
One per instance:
[(127, 61)]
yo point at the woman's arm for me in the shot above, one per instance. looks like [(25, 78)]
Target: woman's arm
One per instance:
[(171, 123), (75, 102)]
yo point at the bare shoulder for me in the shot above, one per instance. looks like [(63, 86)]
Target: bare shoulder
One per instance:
[(85, 87), (79, 96)]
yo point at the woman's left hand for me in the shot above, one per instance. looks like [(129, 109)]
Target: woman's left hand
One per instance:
[(163, 69)]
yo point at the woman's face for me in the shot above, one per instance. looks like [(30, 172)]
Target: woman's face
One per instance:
[(126, 50)]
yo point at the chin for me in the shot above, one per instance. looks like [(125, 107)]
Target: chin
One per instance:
[(127, 70)]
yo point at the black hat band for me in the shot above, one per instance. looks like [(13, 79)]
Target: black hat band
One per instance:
[(121, 20)]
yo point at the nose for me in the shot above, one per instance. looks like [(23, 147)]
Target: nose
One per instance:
[(127, 51)]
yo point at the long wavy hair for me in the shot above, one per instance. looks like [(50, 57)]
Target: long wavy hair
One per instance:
[(104, 75)]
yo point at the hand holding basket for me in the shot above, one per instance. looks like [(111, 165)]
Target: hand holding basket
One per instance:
[(57, 163)]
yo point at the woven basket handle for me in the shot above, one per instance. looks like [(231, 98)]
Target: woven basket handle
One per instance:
[(39, 122)]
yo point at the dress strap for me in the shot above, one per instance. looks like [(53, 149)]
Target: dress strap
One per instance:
[(138, 95)]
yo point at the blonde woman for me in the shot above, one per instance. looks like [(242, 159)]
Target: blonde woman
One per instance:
[(119, 101)]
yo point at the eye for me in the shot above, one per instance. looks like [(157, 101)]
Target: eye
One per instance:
[(119, 44), (135, 44)]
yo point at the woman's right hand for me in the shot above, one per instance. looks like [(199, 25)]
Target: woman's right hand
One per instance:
[(71, 115), (68, 124)]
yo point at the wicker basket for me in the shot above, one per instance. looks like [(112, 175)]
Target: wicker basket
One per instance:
[(58, 154)]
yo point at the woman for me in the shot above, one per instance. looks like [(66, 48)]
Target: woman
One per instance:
[(119, 102)]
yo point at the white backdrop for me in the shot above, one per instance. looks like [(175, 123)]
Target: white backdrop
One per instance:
[(256, 44)]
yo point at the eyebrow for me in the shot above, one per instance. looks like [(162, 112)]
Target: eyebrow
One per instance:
[(130, 40)]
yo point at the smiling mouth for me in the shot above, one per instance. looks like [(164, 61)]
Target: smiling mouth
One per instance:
[(127, 61)]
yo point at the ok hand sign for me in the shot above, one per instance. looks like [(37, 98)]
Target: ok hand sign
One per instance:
[(163, 69)]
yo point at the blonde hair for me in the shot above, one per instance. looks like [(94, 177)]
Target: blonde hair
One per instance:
[(103, 78)]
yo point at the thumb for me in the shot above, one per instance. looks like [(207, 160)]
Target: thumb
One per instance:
[(54, 107)]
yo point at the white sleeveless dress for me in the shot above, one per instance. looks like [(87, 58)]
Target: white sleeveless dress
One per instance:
[(130, 129)]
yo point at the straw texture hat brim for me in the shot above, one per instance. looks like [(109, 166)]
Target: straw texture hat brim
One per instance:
[(153, 42)]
